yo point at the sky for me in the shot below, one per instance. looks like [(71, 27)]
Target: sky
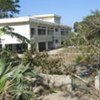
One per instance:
[(69, 10)]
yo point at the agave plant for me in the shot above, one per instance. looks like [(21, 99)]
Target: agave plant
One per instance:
[(22, 83), (15, 82), (5, 74)]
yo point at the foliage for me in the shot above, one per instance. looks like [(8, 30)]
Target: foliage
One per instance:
[(43, 62), (27, 59), (22, 83), (47, 64), (40, 58), (15, 82), (74, 39), (68, 69), (90, 28), (33, 46), (6, 30), (86, 38), (10, 57), (6, 55), (52, 66), (83, 59), (5, 72), (8, 8)]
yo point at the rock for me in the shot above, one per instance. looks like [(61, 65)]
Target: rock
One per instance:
[(57, 81), (58, 96), (54, 96), (38, 89)]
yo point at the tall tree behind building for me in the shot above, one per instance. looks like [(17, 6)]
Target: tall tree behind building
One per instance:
[(9, 8)]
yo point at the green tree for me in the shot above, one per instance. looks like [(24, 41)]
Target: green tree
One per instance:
[(87, 38), (75, 26), (90, 28), (74, 39), (8, 8)]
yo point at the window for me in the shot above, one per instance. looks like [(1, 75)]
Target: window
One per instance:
[(56, 41), (41, 31), (42, 46), (67, 31), (9, 47), (50, 45), (56, 29), (62, 42), (63, 32), (32, 32), (50, 32), (21, 47)]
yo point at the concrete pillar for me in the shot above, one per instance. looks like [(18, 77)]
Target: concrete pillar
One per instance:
[(97, 82), (36, 37), (60, 37), (3, 45), (46, 45), (46, 31), (29, 46), (36, 30), (37, 46), (53, 38)]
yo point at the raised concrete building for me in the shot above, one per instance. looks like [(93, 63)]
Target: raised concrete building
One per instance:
[(46, 30)]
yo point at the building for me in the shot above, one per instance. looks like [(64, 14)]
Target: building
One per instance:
[(46, 30)]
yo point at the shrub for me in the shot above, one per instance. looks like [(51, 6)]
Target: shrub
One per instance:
[(27, 59), (83, 59)]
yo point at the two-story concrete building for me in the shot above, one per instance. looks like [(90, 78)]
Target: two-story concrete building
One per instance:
[(46, 30)]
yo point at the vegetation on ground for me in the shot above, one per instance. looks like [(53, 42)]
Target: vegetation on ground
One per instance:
[(16, 74)]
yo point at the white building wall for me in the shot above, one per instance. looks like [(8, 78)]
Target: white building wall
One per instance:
[(48, 19), (24, 28), (21, 29)]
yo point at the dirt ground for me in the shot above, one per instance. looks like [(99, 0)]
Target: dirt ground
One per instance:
[(80, 90)]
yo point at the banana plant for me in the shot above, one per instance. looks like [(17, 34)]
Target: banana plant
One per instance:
[(22, 83)]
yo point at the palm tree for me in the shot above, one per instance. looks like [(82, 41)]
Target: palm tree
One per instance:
[(6, 30), (9, 31)]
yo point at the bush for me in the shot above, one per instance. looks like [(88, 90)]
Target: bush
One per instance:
[(9, 57), (47, 64), (27, 58), (83, 59)]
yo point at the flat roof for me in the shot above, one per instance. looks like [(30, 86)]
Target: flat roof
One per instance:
[(14, 20), (46, 15), (28, 19)]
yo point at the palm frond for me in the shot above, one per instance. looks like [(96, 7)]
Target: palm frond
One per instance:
[(9, 31)]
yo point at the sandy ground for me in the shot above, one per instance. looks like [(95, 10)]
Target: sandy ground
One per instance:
[(55, 51)]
